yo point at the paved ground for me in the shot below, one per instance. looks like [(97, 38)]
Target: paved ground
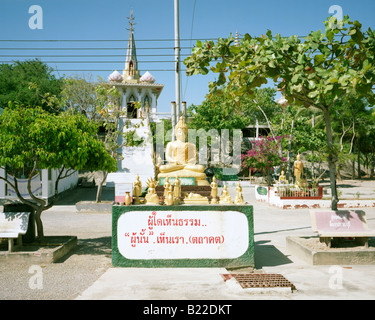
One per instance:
[(87, 273)]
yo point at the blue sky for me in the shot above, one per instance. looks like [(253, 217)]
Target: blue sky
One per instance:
[(107, 20)]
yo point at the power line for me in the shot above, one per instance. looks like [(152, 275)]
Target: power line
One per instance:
[(97, 61), (84, 55), (98, 40), (109, 70), (101, 48)]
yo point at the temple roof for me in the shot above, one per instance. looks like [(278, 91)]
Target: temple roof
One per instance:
[(147, 77), (131, 76)]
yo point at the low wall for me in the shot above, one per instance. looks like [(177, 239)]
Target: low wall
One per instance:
[(268, 195)]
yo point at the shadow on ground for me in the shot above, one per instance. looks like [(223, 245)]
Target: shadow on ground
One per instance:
[(267, 255), (91, 247), (71, 197)]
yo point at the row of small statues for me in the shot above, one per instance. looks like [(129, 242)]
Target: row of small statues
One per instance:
[(172, 193)]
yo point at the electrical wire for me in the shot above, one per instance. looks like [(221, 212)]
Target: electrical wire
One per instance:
[(100, 40), (110, 70), (101, 48), (96, 61), (84, 55), (8, 57)]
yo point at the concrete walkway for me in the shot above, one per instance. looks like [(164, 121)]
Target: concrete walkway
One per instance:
[(87, 273), (272, 225)]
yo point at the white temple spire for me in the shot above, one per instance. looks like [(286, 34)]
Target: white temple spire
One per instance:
[(131, 71)]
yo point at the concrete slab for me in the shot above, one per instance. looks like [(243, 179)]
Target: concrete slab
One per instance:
[(161, 283), (172, 284), (320, 255), (50, 250)]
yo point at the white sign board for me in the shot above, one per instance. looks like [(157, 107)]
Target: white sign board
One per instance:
[(182, 234)]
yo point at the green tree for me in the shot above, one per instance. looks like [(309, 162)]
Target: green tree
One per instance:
[(99, 103), (32, 139), (119, 132), (29, 83), (78, 96), (223, 111), (352, 120), (317, 71)]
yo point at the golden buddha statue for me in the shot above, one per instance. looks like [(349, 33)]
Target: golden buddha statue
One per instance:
[(182, 157), (239, 196), (298, 169), (225, 197), (137, 190), (282, 178), (151, 196)]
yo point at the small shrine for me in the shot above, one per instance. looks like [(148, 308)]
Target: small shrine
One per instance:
[(139, 95)]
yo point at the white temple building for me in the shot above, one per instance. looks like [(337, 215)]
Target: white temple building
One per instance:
[(135, 87)]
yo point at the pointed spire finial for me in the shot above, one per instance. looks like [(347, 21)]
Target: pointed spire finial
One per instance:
[(131, 22), (131, 72)]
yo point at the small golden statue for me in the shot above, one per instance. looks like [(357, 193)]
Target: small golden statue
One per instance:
[(169, 200), (214, 191), (282, 178), (195, 198), (177, 190), (225, 197), (239, 196), (167, 187), (298, 169), (137, 190), (151, 196)]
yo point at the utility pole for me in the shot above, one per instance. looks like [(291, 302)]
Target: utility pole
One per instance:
[(177, 58)]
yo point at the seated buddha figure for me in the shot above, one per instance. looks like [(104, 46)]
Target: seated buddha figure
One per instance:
[(182, 158)]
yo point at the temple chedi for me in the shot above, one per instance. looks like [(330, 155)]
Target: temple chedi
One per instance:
[(135, 87)]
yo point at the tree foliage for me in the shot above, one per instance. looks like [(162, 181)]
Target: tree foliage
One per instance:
[(317, 71), (29, 83), (32, 139), (219, 111), (99, 103)]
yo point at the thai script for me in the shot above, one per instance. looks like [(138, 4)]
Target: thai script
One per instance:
[(337, 222), (172, 222), (172, 236)]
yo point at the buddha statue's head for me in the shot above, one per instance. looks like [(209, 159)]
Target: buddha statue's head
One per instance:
[(181, 130)]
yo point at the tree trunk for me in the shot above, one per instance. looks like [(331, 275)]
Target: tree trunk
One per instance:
[(332, 160), (353, 168), (100, 187), (289, 168), (39, 223), (359, 162)]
